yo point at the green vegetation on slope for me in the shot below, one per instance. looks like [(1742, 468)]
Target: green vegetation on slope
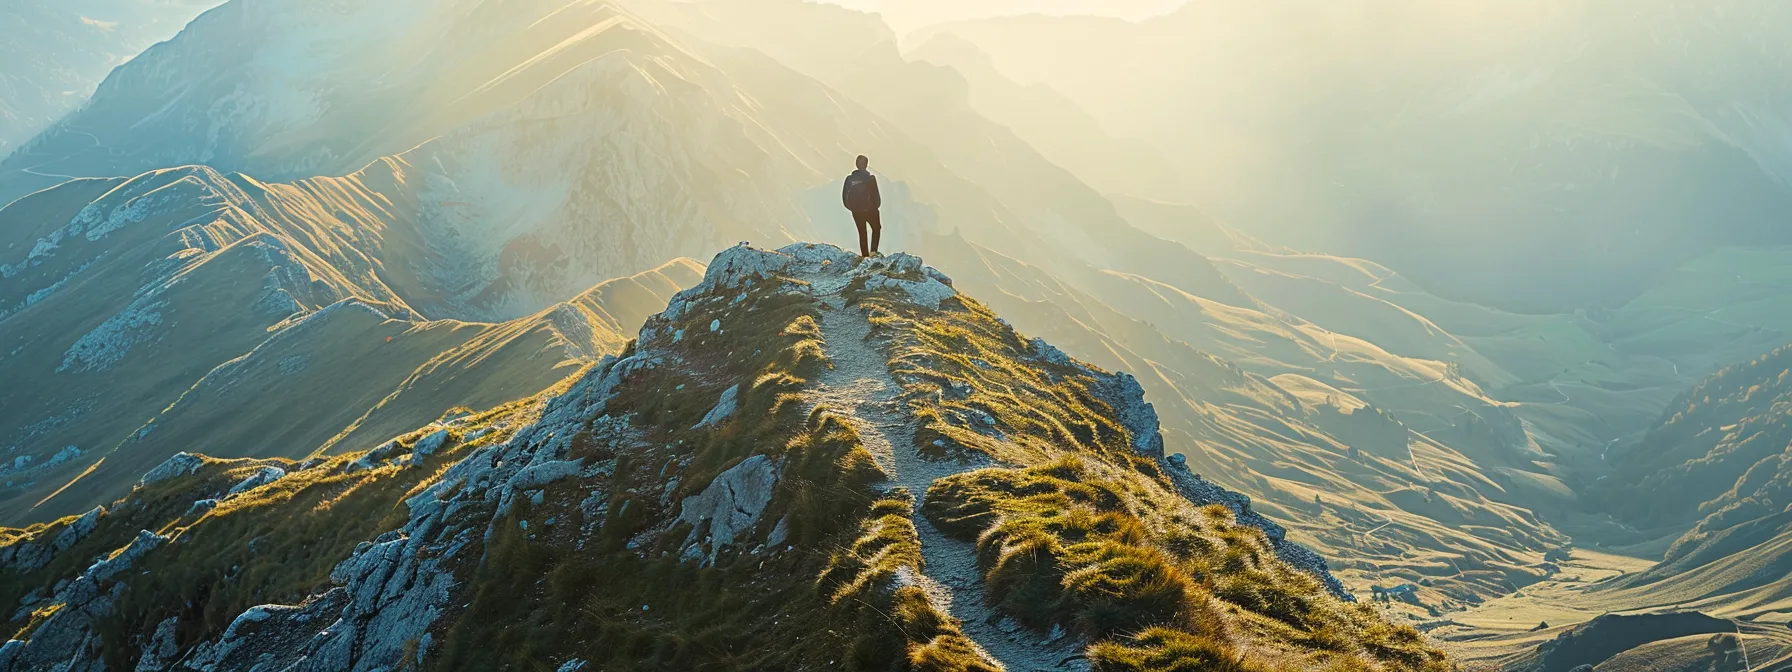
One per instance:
[(1088, 534), (274, 543), (715, 512)]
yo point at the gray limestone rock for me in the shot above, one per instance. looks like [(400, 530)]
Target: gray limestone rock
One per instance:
[(724, 408), (545, 473), (428, 445), (731, 504), (261, 477), (32, 554), (932, 287), (174, 467), (161, 648)]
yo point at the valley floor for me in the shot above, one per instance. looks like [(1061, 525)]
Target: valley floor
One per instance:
[(1505, 632)]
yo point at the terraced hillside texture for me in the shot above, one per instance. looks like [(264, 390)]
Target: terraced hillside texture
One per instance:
[(1700, 581), (807, 461)]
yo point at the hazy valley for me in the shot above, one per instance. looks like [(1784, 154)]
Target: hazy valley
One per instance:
[(332, 328)]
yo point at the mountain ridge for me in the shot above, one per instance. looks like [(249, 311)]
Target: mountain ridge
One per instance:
[(156, 283), (556, 477)]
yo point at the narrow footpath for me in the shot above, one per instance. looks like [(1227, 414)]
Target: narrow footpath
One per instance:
[(859, 387)]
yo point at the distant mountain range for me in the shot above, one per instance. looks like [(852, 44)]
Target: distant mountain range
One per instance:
[(297, 230), (183, 308), (57, 51), (1536, 156)]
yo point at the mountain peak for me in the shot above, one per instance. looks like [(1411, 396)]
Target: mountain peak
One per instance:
[(861, 461)]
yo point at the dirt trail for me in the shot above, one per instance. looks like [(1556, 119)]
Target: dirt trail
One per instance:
[(860, 387)]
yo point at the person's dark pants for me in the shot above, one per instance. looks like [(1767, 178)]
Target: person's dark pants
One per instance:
[(871, 219)]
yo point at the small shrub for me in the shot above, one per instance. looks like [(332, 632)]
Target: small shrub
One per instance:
[(1165, 650)]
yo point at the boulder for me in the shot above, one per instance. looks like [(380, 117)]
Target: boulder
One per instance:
[(928, 291), (181, 464), (261, 477), (109, 568), (32, 554), (731, 504), (161, 648), (428, 445), (724, 408), (542, 474)]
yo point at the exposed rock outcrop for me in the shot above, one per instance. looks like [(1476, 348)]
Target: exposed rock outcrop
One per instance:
[(389, 600), (69, 639), (724, 408), (924, 286), (261, 477), (180, 464), (159, 652), (31, 555), (392, 590), (731, 505)]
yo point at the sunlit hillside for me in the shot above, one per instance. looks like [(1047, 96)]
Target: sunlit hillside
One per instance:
[(1365, 335)]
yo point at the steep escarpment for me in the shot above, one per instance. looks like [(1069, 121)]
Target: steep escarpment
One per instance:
[(807, 461)]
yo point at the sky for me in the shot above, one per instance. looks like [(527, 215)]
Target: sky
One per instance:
[(908, 15)]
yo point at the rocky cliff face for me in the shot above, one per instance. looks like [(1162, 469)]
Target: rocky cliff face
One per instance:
[(807, 461)]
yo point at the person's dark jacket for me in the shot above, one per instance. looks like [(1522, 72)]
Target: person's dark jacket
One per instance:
[(868, 199)]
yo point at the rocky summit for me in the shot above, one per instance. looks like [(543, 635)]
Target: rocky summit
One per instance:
[(807, 461)]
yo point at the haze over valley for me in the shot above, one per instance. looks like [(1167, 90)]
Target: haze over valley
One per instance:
[(467, 334)]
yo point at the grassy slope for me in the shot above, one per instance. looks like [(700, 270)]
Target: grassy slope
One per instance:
[(315, 516), (1083, 534), (213, 357), (616, 593), (180, 269), (1376, 511), (348, 378)]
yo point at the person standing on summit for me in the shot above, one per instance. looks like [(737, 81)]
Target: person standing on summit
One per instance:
[(860, 196)]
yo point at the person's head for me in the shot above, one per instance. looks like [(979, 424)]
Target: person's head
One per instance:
[(863, 162)]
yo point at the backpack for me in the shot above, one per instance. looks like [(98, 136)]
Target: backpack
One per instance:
[(858, 192)]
